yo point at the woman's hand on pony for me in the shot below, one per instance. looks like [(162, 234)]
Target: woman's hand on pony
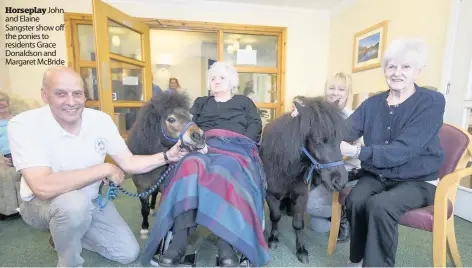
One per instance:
[(349, 150)]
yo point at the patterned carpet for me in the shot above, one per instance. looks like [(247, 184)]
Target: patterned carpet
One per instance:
[(21, 245)]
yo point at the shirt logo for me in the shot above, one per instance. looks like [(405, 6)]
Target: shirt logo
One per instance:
[(101, 146)]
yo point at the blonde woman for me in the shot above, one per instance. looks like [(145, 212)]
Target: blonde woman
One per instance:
[(338, 90)]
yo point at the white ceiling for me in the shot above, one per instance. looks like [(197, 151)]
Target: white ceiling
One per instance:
[(308, 4)]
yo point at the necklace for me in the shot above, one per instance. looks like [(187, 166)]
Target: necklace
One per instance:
[(386, 100)]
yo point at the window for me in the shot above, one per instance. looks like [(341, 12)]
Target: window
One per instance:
[(182, 50)]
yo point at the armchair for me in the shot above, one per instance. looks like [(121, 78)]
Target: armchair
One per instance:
[(9, 178), (438, 218)]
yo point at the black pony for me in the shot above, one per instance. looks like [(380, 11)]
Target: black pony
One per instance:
[(160, 123), (319, 128)]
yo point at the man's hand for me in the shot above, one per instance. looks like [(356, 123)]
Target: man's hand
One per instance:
[(176, 153), (349, 150), (8, 161), (115, 174)]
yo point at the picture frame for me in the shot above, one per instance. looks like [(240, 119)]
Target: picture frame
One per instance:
[(369, 46)]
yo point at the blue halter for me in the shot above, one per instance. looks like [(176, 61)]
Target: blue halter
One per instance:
[(317, 165), (182, 133)]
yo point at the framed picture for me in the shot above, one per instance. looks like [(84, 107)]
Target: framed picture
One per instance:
[(369, 46)]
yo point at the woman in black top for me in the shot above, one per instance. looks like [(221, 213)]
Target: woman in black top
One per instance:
[(223, 109), (235, 115)]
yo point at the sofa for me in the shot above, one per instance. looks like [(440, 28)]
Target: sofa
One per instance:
[(9, 178)]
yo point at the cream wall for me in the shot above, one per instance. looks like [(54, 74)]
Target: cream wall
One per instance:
[(307, 41), (407, 18)]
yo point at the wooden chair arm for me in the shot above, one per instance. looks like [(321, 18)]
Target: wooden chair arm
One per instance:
[(441, 211), (449, 181)]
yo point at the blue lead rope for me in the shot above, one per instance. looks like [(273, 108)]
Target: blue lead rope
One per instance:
[(317, 165), (112, 191)]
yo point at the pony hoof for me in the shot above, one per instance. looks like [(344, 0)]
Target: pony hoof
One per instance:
[(152, 212), (273, 242), (302, 255), (144, 234)]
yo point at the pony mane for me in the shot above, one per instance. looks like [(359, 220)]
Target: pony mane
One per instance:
[(145, 136), (282, 139)]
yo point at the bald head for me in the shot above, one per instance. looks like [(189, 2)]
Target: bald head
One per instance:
[(55, 74), (63, 90)]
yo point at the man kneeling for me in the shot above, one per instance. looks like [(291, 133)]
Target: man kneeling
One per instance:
[(60, 150)]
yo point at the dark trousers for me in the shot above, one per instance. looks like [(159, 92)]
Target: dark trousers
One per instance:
[(374, 208)]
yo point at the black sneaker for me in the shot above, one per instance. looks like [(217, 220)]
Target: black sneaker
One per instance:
[(344, 228)]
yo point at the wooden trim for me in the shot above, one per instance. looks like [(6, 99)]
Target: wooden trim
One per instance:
[(93, 103), (282, 72), (83, 21), (210, 31), (267, 105), (128, 104), (78, 16), (100, 26), (127, 60), (182, 24), (87, 64), (147, 72), (252, 32), (76, 45), (221, 46), (113, 64), (69, 42), (194, 25), (125, 20), (259, 70)]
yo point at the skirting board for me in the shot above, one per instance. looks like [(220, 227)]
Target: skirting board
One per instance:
[(463, 201)]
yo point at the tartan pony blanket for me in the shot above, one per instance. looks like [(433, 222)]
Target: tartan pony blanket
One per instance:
[(227, 186)]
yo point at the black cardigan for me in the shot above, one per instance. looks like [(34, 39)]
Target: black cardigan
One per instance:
[(239, 114), (401, 142)]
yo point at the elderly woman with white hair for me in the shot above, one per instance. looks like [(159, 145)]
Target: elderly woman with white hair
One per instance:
[(225, 110), (222, 190), (401, 157)]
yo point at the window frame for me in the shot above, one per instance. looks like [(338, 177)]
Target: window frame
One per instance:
[(72, 20)]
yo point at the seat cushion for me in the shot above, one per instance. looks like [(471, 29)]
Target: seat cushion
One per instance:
[(421, 218)]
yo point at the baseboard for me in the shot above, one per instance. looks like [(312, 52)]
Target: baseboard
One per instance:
[(463, 201)]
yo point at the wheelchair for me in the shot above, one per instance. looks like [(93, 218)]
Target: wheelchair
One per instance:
[(190, 260)]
